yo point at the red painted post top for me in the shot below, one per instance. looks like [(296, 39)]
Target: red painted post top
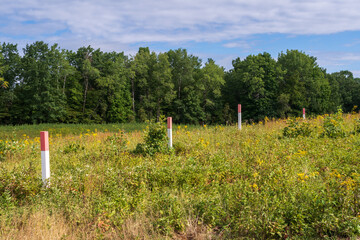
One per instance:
[(44, 141), (169, 122), (303, 110), (239, 108)]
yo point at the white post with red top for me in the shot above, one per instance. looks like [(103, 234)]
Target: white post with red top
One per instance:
[(239, 116), (45, 157), (303, 113), (169, 130)]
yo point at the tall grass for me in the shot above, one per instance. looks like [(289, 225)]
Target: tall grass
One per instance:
[(216, 183)]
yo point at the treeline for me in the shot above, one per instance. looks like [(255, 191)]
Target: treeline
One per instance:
[(47, 84)]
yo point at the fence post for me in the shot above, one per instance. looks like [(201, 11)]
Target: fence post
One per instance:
[(45, 161), (239, 116), (303, 113), (169, 130)]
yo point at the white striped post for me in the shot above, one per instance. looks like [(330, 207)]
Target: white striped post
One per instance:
[(239, 116), (45, 161), (303, 113), (169, 130)]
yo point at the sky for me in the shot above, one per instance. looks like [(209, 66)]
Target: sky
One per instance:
[(223, 30)]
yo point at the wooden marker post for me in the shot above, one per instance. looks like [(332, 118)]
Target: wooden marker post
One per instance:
[(303, 113), (45, 161), (239, 116), (169, 130)]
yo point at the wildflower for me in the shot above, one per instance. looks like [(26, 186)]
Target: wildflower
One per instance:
[(302, 177), (204, 125), (349, 183), (185, 126)]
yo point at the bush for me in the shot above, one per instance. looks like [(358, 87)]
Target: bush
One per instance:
[(333, 126), (155, 139), (116, 142), (72, 148), (357, 126), (297, 128)]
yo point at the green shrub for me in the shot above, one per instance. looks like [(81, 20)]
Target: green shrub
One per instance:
[(357, 126), (117, 143), (2, 150), (297, 128), (155, 139), (333, 126), (72, 148)]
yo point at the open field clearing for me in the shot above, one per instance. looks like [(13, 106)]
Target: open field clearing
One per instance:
[(216, 183)]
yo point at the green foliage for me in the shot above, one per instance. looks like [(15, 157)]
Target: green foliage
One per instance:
[(72, 148), (304, 82), (357, 126), (47, 84), (3, 150), (116, 142), (333, 125), (155, 139), (220, 184), (296, 128)]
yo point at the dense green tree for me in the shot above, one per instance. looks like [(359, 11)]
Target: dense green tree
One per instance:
[(144, 62), (152, 87), (10, 65), (40, 89), (113, 87), (161, 85), (346, 90), (47, 84), (3, 83), (254, 83), (212, 79), (185, 70), (304, 82), (83, 61)]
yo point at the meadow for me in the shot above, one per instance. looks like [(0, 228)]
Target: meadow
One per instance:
[(278, 179)]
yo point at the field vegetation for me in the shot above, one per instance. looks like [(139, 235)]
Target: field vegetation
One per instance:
[(278, 179)]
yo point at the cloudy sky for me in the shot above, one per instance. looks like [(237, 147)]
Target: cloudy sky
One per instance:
[(222, 30)]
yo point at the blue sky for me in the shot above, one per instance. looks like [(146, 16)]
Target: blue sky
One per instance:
[(222, 30)]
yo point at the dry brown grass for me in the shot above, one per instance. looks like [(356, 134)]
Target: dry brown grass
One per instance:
[(38, 225), (41, 225)]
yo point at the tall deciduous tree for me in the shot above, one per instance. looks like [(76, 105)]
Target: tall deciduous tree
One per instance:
[(161, 85), (212, 79), (10, 73), (346, 90), (113, 87), (254, 82), (40, 86), (304, 82), (185, 70)]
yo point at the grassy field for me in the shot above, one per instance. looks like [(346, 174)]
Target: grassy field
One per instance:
[(276, 179)]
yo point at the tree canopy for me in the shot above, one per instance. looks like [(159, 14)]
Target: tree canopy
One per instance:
[(47, 84)]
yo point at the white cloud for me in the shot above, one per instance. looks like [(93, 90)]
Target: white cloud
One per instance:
[(239, 44), (176, 20), (120, 25)]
